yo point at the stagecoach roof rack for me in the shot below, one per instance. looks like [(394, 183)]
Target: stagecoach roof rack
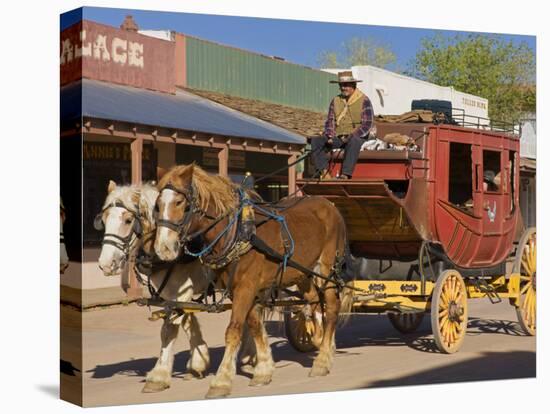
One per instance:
[(460, 117), (448, 115)]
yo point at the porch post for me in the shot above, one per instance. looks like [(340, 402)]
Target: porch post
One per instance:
[(135, 290), (223, 162), (292, 174)]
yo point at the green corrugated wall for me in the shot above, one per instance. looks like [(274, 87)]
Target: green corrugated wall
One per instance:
[(218, 68)]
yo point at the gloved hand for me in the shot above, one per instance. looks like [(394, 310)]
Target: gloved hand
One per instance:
[(345, 139)]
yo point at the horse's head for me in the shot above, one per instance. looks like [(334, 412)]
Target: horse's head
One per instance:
[(63, 256), (173, 211), (189, 202), (120, 220)]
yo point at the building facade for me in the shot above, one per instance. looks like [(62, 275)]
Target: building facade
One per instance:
[(126, 113), (392, 93)]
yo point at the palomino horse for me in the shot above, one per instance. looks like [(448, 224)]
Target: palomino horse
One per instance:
[(191, 202), (63, 256), (127, 217)]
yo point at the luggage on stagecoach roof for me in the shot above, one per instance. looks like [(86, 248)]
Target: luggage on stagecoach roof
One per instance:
[(435, 106)]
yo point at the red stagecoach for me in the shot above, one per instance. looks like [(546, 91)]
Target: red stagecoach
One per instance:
[(430, 215)]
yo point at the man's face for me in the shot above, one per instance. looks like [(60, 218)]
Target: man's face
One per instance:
[(347, 88)]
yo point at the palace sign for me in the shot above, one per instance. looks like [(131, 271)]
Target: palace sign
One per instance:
[(119, 50), (95, 51)]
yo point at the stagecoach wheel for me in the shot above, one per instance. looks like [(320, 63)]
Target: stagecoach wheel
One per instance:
[(299, 329), (449, 311), (526, 265), (406, 323)]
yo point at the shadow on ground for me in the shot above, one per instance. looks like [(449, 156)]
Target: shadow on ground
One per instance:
[(489, 366), (375, 330), (361, 331)]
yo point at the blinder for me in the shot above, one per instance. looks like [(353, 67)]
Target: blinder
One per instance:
[(100, 226), (190, 207), (137, 226), (98, 222)]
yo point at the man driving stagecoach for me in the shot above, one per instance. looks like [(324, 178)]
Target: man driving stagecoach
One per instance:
[(350, 118)]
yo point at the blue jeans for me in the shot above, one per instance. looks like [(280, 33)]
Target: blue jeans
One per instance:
[(321, 154)]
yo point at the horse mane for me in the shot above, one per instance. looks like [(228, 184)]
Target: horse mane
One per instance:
[(147, 201), (136, 198), (212, 190)]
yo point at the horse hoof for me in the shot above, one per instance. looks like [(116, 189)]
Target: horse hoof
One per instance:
[(150, 387), (217, 392), (317, 371), (247, 369), (258, 381)]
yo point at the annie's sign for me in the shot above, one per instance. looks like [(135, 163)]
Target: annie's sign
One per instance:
[(95, 51)]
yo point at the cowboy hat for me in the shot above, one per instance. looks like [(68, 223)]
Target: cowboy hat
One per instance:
[(345, 77)]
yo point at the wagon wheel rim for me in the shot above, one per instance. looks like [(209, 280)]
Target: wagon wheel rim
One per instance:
[(450, 315), (451, 311), (527, 304)]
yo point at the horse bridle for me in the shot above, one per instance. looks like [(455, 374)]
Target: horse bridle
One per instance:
[(121, 243), (191, 207)]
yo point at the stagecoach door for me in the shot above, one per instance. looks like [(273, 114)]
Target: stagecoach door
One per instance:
[(493, 187)]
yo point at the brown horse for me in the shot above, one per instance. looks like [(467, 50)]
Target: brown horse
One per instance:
[(192, 202)]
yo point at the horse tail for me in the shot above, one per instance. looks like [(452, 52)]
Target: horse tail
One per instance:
[(346, 304), (346, 294)]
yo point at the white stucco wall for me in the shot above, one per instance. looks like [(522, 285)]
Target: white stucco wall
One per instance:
[(528, 143), (392, 93)]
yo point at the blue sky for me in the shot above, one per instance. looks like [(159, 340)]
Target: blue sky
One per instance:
[(296, 41)]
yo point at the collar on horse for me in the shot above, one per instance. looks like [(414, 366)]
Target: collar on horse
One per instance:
[(234, 248), (146, 263)]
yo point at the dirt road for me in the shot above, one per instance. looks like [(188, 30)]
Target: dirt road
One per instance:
[(121, 346)]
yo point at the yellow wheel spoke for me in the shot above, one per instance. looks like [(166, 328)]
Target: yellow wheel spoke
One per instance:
[(531, 260), (458, 296), (450, 288), (443, 328), (454, 284), (526, 303), (528, 278), (445, 298), (525, 288), (534, 255), (456, 331), (526, 266), (452, 333), (533, 305)]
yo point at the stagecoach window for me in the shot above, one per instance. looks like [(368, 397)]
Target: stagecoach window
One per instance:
[(460, 175), (491, 171)]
